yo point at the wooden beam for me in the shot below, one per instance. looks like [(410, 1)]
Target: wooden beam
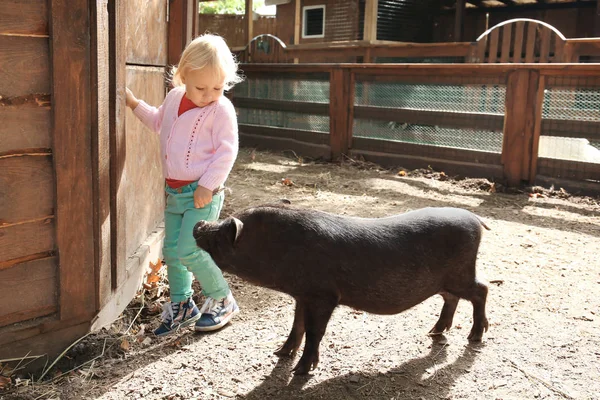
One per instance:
[(459, 18), (249, 34), (597, 20), (72, 153), (341, 111), (297, 26), (177, 30), (370, 23), (118, 140), (517, 133)]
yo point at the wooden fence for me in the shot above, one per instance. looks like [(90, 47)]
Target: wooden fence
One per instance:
[(512, 122), (233, 27), (573, 51)]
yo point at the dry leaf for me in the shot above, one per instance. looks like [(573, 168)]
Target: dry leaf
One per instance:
[(153, 276), (4, 382), (287, 182), (125, 345)]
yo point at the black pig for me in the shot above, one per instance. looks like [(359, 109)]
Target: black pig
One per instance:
[(379, 265)]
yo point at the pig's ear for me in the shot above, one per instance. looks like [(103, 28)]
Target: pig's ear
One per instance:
[(238, 225)]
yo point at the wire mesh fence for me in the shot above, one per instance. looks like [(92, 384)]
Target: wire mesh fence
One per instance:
[(284, 119), (571, 121), (284, 89), (480, 101), (295, 90)]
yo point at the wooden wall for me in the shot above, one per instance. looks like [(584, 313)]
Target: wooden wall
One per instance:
[(28, 262), (341, 21), (47, 261), (142, 185), (233, 27), (571, 22)]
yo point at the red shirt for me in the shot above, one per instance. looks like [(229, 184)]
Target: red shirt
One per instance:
[(185, 105)]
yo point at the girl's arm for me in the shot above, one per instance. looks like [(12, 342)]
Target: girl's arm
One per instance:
[(225, 138), (150, 116)]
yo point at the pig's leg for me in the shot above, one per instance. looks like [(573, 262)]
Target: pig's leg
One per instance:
[(476, 293), (291, 345), (317, 313), (480, 322), (447, 314)]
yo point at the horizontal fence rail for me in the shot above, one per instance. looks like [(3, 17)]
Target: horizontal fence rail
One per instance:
[(517, 122)]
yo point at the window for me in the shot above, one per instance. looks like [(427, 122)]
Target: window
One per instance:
[(313, 22)]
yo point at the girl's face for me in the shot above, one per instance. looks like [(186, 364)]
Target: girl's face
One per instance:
[(203, 86)]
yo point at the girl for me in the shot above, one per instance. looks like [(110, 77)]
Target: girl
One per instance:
[(198, 144)]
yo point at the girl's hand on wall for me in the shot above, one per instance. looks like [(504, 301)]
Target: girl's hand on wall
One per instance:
[(130, 100), (202, 197)]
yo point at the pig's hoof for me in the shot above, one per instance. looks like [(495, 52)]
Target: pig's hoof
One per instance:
[(477, 332), (436, 331), (285, 351), (304, 366)]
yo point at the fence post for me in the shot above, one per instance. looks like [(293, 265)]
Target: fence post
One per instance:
[(522, 125), (341, 110), (537, 86), (514, 145)]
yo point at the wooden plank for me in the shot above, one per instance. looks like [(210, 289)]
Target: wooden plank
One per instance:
[(459, 20), (295, 134), (530, 42), (297, 22), (534, 108), (412, 77), (118, 141), (597, 20), (506, 42), (515, 144), (282, 105), (494, 38), (519, 38), (71, 94), (101, 150), (482, 45), (426, 117), (142, 163), (29, 290), (341, 101), (545, 44), (41, 341), (559, 50), (24, 127), (571, 128), (423, 150), (370, 20), (146, 31), (26, 239), (24, 17), (176, 30), (24, 65), (248, 31), (26, 189), (137, 265), (473, 70), (566, 169)]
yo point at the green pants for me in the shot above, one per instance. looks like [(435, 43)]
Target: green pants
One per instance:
[(184, 259)]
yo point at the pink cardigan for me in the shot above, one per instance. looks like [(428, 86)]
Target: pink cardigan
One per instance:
[(201, 144)]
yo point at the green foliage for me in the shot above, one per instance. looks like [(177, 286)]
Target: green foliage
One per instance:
[(227, 6)]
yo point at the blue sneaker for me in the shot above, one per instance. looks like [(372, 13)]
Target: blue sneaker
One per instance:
[(176, 316), (216, 313)]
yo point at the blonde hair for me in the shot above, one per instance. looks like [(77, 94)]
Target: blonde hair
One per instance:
[(211, 51)]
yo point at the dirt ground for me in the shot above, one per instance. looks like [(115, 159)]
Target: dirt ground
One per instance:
[(541, 259)]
